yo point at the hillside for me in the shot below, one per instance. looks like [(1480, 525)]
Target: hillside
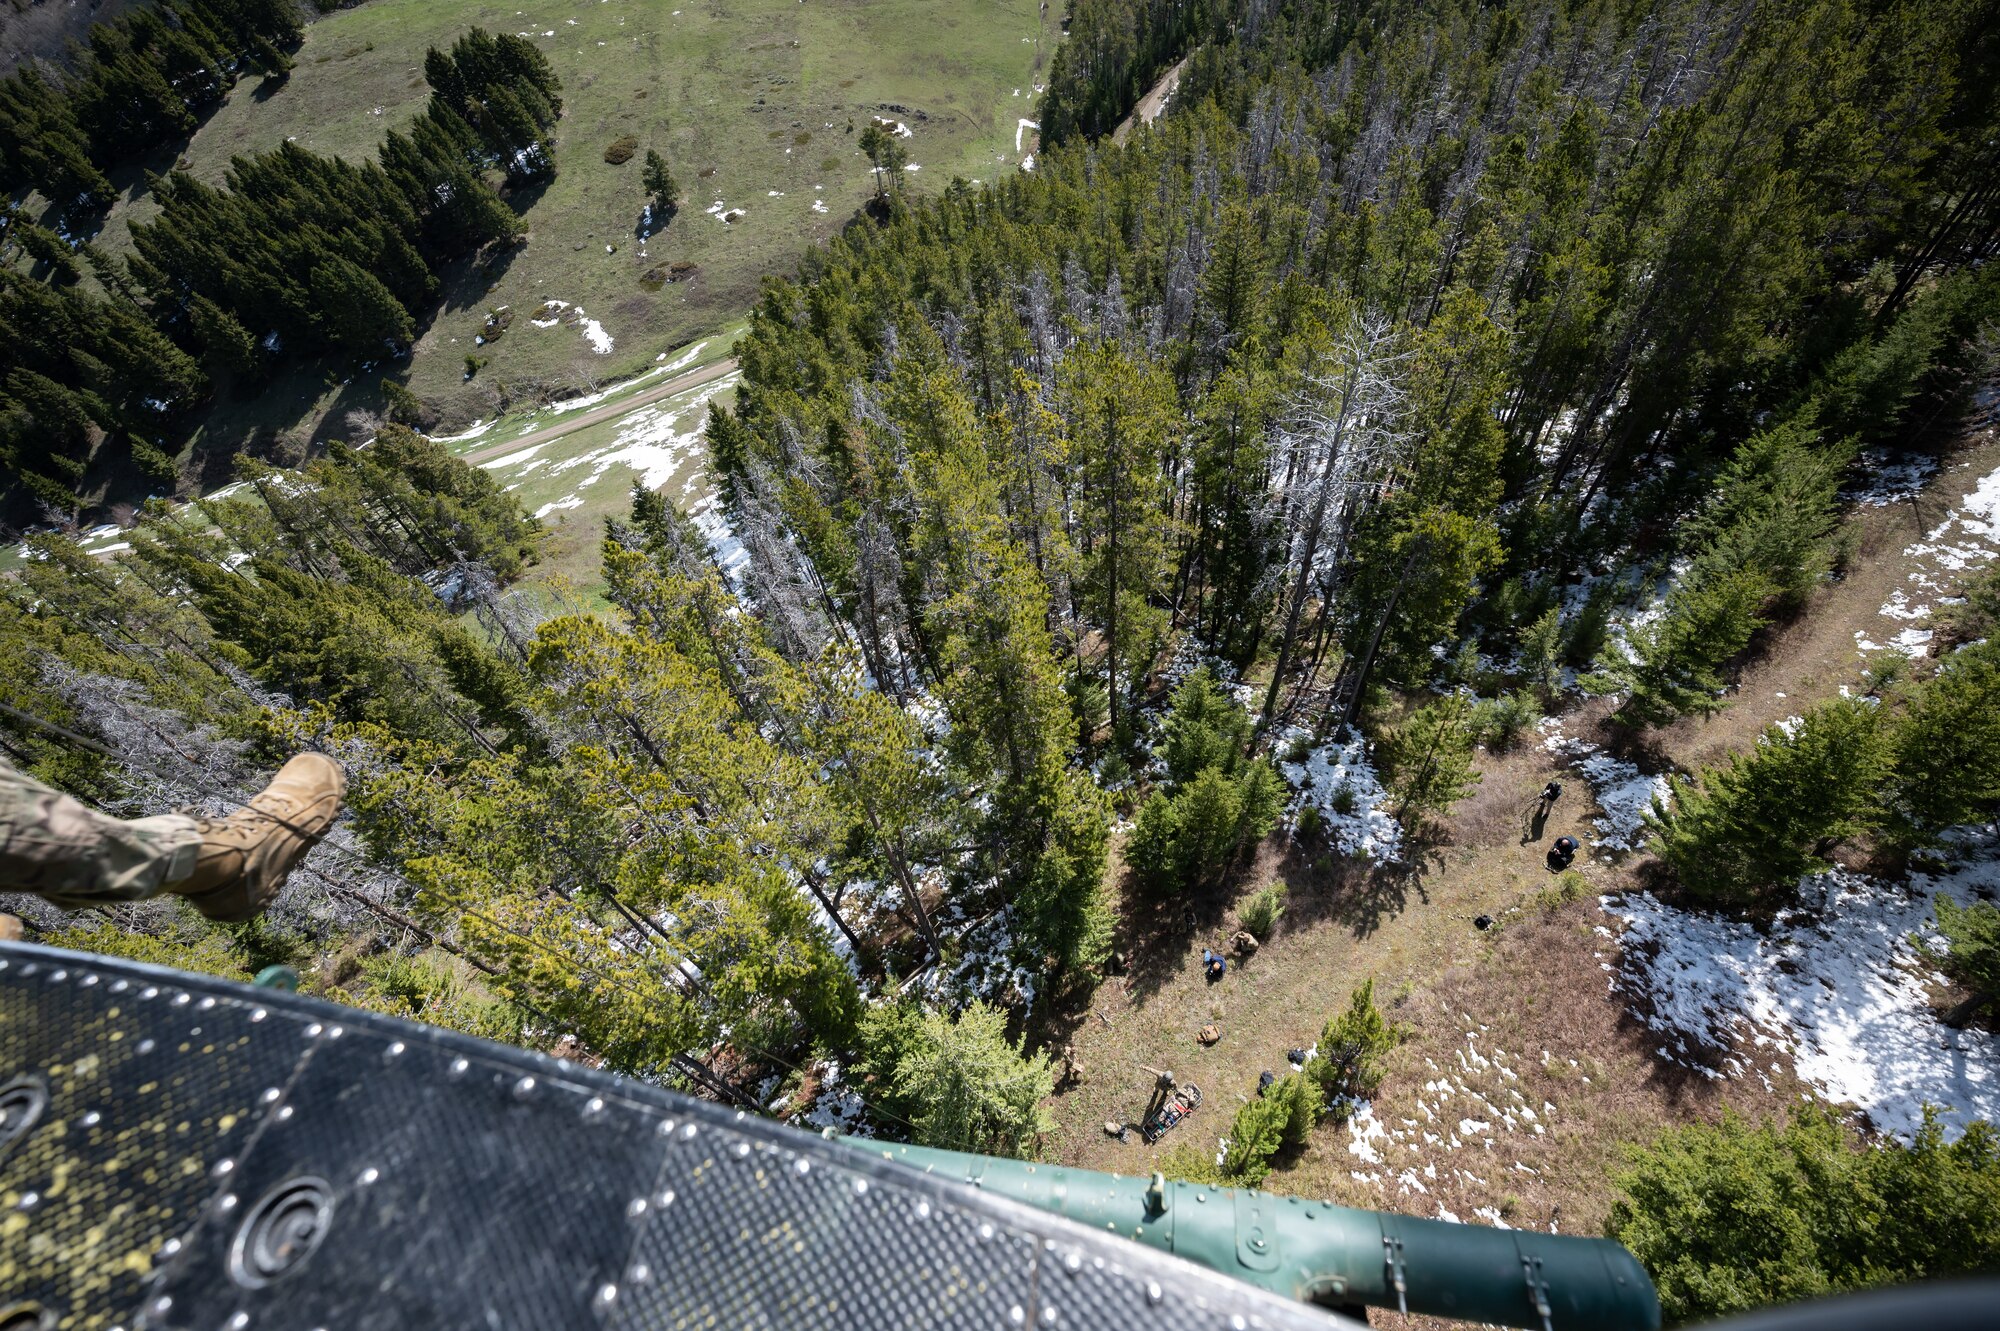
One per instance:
[(757, 107), (1127, 616)]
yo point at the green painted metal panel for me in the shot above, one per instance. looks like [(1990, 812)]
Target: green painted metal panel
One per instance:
[(1332, 1255)]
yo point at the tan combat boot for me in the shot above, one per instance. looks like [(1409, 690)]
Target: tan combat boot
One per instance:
[(245, 857)]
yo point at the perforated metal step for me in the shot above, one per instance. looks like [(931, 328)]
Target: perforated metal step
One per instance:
[(183, 1152)]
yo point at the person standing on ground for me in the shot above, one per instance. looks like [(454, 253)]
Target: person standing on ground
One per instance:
[(229, 869), (1550, 794)]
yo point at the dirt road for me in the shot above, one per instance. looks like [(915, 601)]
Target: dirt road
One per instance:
[(1149, 107), (694, 378)]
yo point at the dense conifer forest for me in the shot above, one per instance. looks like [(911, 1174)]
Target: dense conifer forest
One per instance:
[(1360, 400), (295, 253)]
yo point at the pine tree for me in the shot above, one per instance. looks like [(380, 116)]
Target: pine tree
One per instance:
[(1972, 954), (1122, 426), (660, 185), (358, 313), (1429, 757), (973, 1089), (225, 342), (1347, 1063), (1947, 746), (1765, 819), (1728, 1218)]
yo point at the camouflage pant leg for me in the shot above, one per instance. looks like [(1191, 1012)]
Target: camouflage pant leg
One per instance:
[(59, 848)]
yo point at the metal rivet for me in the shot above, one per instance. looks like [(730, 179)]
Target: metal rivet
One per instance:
[(666, 1127), (206, 1005), (688, 1132), (639, 1274), (593, 1106), (161, 1304), (1072, 1262), (58, 975), (664, 1198), (742, 1150), (607, 1295), (258, 1014), (1236, 1323), (1153, 1294), (270, 1096), (183, 998), (29, 1201), (524, 1088), (239, 1321), (1017, 1314), (635, 1208), (986, 1231), (1048, 1314), (860, 1187), (312, 1031), (150, 992), (120, 986), (222, 1167), (284, 1113), (88, 981), (802, 1166), (170, 1247), (368, 1176), (395, 1050), (335, 1032), (459, 1067), (923, 1210), (146, 1046), (91, 1119)]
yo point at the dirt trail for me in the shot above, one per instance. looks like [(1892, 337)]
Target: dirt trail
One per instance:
[(694, 378), (1149, 107), (1537, 983)]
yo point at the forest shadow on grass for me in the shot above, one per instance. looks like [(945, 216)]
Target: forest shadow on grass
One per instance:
[(1357, 894), (1156, 928), (466, 282)]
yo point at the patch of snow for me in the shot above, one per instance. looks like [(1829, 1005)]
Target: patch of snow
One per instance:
[(603, 394), (837, 1106), (1622, 791), (1835, 983), (1883, 482), (988, 968), (1363, 1131), (471, 432), (512, 459), (1020, 125), (1366, 830), (649, 439)]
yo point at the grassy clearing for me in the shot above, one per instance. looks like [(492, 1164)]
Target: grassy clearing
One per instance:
[(752, 103), (576, 481)]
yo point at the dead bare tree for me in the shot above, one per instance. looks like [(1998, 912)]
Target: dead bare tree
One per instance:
[(1342, 434)]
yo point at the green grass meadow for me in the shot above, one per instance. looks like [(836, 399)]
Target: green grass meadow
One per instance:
[(751, 103)]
